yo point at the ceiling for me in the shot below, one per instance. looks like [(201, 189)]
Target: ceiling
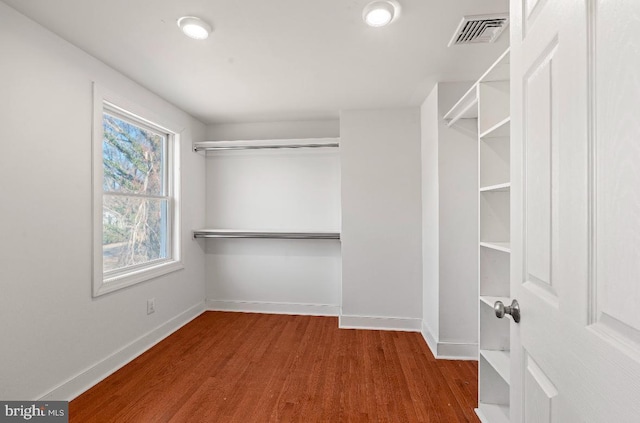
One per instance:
[(274, 60)]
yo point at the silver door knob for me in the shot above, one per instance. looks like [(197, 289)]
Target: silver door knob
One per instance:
[(513, 310)]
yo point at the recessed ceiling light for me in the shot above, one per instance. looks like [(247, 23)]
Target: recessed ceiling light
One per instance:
[(194, 27), (381, 13)]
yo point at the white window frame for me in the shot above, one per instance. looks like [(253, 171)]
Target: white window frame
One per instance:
[(104, 101)]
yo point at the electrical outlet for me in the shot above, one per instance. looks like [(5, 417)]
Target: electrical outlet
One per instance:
[(151, 306)]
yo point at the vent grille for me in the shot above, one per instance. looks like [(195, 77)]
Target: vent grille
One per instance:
[(479, 29)]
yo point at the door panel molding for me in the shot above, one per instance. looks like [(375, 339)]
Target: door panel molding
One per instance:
[(542, 291), (531, 9), (540, 174), (540, 393), (619, 334)]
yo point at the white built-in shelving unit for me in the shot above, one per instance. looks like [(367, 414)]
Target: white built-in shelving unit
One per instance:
[(487, 101)]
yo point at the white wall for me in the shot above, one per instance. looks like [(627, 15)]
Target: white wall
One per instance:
[(381, 218), (281, 190), (430, 217), (458, 179), (273, 130), (54, 334), (451, 330), (297, 189)]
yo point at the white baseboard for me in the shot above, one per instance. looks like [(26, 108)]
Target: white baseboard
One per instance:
[(480, 415), (449, 350), (457, 351), (274, 308), (379, 323), (429, 339), (81, 382)]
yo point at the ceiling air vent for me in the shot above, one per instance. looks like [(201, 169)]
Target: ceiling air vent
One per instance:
[(479, 29)]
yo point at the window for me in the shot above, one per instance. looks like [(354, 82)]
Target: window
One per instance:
[(136, 229)]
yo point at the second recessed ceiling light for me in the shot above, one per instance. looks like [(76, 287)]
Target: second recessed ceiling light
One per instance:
[(194, 27), (381, 13)]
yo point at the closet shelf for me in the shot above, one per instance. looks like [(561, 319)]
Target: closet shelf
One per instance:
[(232, 233), (491, 300), (505, 247), (465, 108), (493, 413), (500, 361), (500, 129), (266, 144), (497, 188), (499, 71)]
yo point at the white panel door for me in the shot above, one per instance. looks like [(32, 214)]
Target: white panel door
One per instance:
[(575, 157)]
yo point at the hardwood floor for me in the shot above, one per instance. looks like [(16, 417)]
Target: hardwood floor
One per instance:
[(236, 367)]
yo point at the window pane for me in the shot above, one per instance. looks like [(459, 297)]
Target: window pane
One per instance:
[(132, 158), (134, 231)]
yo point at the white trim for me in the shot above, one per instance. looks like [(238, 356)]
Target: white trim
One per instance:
[(379, 323), (480, 415), (492, 413), (429, 339), (146, 273), (274, 308), (91, 376), (96, 187), (449, 350), (102, 284), (457, 351), (128, 107)]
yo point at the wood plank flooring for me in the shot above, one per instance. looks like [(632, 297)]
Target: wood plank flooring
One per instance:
[(245, 368)]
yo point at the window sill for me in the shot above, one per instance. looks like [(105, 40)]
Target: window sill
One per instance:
[(115, 283)]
